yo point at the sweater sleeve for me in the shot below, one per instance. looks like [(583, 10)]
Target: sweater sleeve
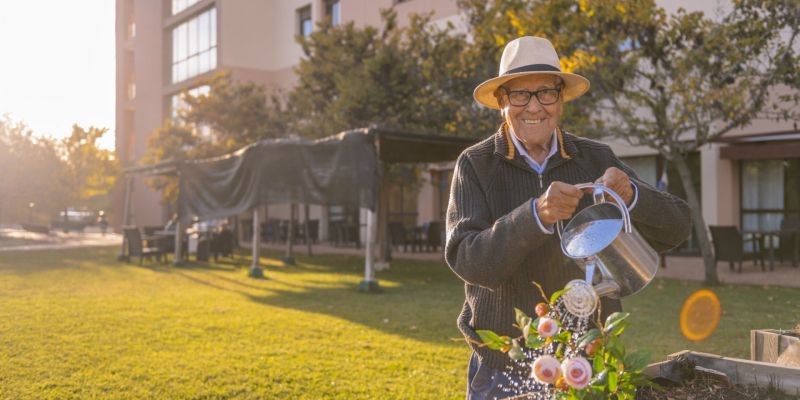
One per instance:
[(480, 250), (663, 219)]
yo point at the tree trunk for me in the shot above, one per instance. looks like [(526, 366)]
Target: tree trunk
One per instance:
[(697, 218)]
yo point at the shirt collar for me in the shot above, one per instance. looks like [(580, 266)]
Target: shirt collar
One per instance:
[(524, 153)]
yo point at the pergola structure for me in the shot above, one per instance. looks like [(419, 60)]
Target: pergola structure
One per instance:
[(344, 169)]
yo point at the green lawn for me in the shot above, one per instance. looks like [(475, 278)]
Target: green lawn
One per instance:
[(78, 324)]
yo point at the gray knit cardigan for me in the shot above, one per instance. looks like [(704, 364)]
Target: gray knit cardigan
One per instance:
[(495, 246)]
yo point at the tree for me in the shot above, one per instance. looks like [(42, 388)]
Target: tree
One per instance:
[(237, 113), (229, 116), (91, 171), (671, 83), (413, 78), (32, 172)]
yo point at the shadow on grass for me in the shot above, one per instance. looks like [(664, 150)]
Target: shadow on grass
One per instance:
[(420, 300)]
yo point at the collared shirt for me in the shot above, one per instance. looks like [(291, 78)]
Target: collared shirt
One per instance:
[(528, 159), (540, 170)]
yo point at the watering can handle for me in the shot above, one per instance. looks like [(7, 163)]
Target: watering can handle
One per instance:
[(598, 192)]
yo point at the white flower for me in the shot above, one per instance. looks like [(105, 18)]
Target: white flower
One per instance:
[(547, 327), (546, 369), (577, 372)]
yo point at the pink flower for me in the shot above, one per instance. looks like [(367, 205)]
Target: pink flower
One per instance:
[(547, 327), (546, 369), (577, 372)]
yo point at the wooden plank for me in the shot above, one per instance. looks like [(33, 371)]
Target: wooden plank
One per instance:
[(768, 344)]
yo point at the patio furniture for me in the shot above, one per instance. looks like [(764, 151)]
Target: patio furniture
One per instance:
[(729, 246), (433, 235), (136, 246), (397, 235), (789, 238), (222, 244)]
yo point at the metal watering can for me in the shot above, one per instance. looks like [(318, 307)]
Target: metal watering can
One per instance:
[(602, 237)]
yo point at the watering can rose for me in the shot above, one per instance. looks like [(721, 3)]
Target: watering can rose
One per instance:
[(546, 369), (547, 327), (577, 372)]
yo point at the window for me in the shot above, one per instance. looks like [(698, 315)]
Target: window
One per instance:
[(333, 11), (770, 192), (180, 5), (304, 26), (178, 103), (131, 90), (194, 46)]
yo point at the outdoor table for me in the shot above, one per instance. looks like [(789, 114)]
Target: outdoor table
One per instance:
[(769, 234)]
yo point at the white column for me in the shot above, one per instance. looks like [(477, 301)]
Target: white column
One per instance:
[(324, 226), (178, 242), (256, 242), (369, 259)]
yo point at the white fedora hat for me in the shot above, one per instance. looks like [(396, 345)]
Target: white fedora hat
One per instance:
[(529, 55)]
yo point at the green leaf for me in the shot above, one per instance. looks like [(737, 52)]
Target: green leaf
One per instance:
[(535, 342), (563, 337), (600, 378), (614, 319), (637, 360), (589, 337), (556, 295), (617, 328), (612, 382), (522, 318), (516, 352), (615, 348), (491, 339), (598, 364)]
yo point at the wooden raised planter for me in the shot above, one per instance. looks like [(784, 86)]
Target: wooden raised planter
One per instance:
[(767, 345), (735, 370)]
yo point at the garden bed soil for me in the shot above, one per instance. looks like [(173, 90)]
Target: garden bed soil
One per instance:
[(693, 375)]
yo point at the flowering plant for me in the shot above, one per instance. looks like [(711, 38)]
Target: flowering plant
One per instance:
[(570, 359)]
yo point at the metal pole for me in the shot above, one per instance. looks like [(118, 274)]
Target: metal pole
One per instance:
[(305, 228), (288, 259), (255, 267), (178, 258), (125, 211), (369, 284)]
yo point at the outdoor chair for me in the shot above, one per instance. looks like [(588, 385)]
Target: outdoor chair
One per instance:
[(397, 235), (789, 240), (313, 231), (433, 235), (729, 246), (222, 244), (137, 247)]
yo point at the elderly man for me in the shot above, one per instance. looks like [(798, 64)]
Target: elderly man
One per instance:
[(509, 190)]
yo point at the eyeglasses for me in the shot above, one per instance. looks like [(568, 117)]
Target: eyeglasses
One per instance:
[(521, 98)]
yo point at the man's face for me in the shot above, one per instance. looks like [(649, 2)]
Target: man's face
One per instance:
[(533, 123)]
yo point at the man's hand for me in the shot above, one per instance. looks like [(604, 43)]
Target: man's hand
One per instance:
[(557, 203), (618, 181)]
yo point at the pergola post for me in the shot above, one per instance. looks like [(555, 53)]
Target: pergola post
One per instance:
[(369, 284), (305, 228), (178, 258), (255, 267), (126, 210), (288, 259)]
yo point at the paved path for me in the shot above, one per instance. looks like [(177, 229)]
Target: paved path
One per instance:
[(21, 240), (687, 268)]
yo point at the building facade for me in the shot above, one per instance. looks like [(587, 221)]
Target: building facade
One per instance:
[(164, 47)]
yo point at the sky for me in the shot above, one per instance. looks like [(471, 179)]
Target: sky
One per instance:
[(57, 65)]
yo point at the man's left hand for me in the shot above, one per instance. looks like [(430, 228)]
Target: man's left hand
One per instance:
[(618, 181)]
